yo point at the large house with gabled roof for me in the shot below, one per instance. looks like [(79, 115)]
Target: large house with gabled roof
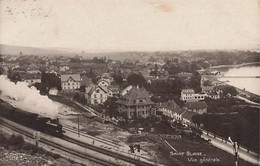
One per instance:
[(136, 103), (70, 81)]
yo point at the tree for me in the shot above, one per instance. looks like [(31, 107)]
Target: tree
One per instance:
[(14, 77), (229, 90), (197, 119), (118, 79), (110, 106), (136, 79), (50, 80), (195, 82), (207, 83)]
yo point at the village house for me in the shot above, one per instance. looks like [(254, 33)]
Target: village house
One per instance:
[(214, 95), (178, 113), (70, 81), (31, 79), (126, 90), (104, 82), (96, 94), (166, 108), (187, 94), (207, 89), (114, 90), (171, 110), (197, 107), (190, 95), (187, 118), (136, 103)]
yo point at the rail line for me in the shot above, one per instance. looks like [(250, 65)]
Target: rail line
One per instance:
[(123, 157), (99, 139), (104, 141), (57, 146)]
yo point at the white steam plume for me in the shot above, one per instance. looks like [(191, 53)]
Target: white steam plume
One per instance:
[(27, 98)]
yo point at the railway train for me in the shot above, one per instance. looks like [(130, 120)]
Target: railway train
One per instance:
[(31, 120)]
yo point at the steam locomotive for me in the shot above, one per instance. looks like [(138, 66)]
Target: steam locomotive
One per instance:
[(31, 120)]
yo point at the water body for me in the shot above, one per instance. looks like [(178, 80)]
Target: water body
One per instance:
[(249, 84)]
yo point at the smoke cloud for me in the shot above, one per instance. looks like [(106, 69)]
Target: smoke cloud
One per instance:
[(27, 98)]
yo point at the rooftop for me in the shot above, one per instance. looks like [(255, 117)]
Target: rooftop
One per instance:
[(31, 76), (188, 115), (131, 97), (187, 91), (196, 105), (207, 88), (170, 104), (65, 77)]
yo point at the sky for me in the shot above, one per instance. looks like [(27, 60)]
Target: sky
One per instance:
[(131, 25)]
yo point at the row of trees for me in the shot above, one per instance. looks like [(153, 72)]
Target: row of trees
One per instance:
[(242, 127)]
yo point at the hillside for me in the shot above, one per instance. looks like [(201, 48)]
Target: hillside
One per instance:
[(15, 50)]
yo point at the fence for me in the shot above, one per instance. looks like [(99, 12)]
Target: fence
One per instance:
[(161, 136), (225, 140)]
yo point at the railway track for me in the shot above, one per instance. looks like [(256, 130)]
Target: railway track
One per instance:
[(105, 152), (104, 141), (55, 145), (124, 157)]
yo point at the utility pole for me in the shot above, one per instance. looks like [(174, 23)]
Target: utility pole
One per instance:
[(234, 144), (78, 125)]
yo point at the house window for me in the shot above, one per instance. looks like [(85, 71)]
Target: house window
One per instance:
[(101, 100), (95, 96), (100, 95), (68, 83), (97, 90)]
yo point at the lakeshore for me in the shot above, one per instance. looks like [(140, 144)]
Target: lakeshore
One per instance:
[(235, 66), (241, 79), (249, 97)]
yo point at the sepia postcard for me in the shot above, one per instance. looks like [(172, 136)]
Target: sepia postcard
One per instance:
[(130, 82)]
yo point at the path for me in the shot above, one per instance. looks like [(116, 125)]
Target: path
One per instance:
[(242, 153)]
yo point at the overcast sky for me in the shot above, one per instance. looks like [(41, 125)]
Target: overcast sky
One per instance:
[(146, 25)]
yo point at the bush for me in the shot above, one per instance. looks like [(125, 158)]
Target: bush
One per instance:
[(3, 139), (16, 140), (28, 146), (93, 133)]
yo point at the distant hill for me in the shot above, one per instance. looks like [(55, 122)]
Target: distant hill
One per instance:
[(57, 51), (15, 50)]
